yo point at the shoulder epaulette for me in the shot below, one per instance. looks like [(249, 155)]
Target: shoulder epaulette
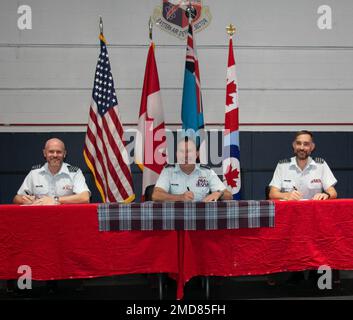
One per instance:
[(168, 165), (72, 168), (284, 161), (37, 166), (319, 160), (205, 166)]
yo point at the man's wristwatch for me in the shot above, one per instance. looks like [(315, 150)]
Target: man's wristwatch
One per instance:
[(56, 200), (222, 193)]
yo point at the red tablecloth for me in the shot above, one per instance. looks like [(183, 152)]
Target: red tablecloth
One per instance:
[(307, 234), (62, 242)]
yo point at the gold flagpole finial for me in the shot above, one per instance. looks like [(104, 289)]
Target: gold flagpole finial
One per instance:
[(101, 24), (150, 27), (230, 30)]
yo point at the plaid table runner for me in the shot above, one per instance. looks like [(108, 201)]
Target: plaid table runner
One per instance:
[(186, 215)]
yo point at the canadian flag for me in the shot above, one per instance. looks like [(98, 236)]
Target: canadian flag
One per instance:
[(231, 151), (151, 145)]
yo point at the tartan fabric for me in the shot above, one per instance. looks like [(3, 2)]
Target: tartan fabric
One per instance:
[(186, 215)]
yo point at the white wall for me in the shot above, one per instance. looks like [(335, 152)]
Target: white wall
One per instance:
[(291, 74)]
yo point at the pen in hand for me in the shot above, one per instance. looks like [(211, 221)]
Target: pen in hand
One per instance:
[(189, 196), (28, 193), (29, 197), (298, 194)]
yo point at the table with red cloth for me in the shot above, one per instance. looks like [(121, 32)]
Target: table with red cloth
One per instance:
[(62, 242), (307, 234)]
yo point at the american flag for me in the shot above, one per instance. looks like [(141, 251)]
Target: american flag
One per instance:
[(104, 150)]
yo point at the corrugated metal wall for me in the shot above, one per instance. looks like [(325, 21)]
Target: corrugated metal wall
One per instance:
[(289, 70)]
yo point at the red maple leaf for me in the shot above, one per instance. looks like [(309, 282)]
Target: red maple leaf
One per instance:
[(231, 176), (231, 88)]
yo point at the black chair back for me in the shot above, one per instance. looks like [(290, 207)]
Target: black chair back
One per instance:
[(148, 192), (267, 192)]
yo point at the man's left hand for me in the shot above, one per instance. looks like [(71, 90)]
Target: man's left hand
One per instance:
[(212, 197), (320, 196), (44, 201)]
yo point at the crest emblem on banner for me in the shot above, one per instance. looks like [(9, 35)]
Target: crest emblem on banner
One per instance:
[(171, 17)]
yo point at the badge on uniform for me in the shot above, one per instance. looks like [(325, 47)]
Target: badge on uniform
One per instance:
[(202, 182)]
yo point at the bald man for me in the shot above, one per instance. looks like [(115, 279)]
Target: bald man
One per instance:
[(55, 182)]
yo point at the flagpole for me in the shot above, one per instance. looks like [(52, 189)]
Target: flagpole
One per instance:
[(109, 161), (150, 28), (100, 24), (149, 151), (190, 12), (231, 147)]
